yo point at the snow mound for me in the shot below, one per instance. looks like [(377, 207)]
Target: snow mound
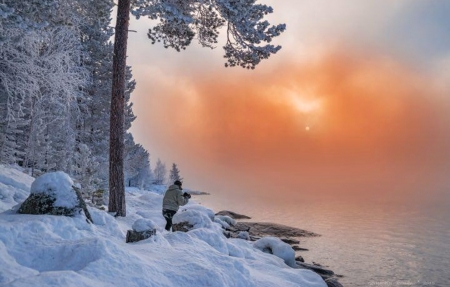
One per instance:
[(194, 217), (208, 212), (225, 221), (143, 225), (243, 235), (57, 185), (278, 248), (14, 187)]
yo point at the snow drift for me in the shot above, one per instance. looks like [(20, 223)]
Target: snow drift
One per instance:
[(46, 250)]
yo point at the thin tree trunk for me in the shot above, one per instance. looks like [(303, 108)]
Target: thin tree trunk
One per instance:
[(116, 144)]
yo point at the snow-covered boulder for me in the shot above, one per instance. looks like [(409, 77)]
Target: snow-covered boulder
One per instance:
[(54, 193), (243, 235), (142, 229), (225, 221), (190, 219), (199, 208), (275, 246)]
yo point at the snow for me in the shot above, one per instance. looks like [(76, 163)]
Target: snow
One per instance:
[(194, 217), (46, 250), (14, 187), (243, 235), (143, 225), (278, 248), (58, 185), (225, 221)]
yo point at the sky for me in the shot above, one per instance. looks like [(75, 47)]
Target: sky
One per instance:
[(355, 104)]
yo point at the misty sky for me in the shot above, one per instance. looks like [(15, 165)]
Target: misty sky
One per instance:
[(356, 103)]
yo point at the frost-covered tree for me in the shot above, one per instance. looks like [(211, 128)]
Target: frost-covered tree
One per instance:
[(174, 174), (84, 168), (137, 164), (248, 42), (159, 173), (55, 84), (41, 77)]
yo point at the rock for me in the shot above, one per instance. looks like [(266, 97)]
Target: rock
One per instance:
[(299, 258), (290, 241), (233, 214), (319, 270), (261, 229), (317, 264), (298, 248), (182, 226), (332, 282), (135, 236), (54, 194)]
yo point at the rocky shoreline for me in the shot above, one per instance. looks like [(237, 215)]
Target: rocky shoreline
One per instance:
[(288, 234)]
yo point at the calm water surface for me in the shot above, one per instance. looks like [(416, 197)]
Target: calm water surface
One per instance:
[(371, 243)]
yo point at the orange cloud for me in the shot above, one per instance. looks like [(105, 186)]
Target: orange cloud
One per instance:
[(370, 119)]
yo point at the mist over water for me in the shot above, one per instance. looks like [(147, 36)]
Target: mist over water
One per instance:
[(370, 173), (382, 242), (345, 132)]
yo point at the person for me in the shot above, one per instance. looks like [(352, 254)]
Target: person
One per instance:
[(173, 199)]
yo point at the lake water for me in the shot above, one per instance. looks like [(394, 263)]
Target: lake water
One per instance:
[(371, 243)]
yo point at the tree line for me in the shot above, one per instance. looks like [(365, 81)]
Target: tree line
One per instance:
[(55, 91)]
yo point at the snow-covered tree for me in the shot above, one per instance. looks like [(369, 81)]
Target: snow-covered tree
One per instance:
[(248, 38), (55, 84), (159, 173), (41, 77), (137, 164), (174, 174), (84, 169)]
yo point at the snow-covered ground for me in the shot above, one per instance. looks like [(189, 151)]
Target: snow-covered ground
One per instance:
[(45, 250)]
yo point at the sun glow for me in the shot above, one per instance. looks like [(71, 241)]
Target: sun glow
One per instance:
[(305, 104)]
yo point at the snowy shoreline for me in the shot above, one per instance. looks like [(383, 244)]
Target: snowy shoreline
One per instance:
[(49, 250), (286, 234)]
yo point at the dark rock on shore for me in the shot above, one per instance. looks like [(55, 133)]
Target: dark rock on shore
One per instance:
[(182, 226), (332, 282), (298, 248), (290, 241), (233, 214), (299, 258), (261, 229), (320, 270)]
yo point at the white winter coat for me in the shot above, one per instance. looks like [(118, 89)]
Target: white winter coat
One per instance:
[(174, 198)]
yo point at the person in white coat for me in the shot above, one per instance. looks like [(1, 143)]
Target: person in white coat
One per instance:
[(173, 199)]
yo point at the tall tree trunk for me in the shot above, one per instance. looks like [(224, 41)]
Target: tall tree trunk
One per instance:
[(116, 144)]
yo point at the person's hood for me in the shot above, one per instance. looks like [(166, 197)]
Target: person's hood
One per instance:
[(173, 186)]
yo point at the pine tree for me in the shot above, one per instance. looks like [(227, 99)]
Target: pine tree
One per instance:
[(84, 168), (174, 174), (137, 164), (180, 22), (160, 172)]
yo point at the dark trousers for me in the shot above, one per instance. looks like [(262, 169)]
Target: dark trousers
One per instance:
[(168, 215)]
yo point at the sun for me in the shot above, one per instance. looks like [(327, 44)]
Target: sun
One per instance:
[(308, 105), (304, 102)]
